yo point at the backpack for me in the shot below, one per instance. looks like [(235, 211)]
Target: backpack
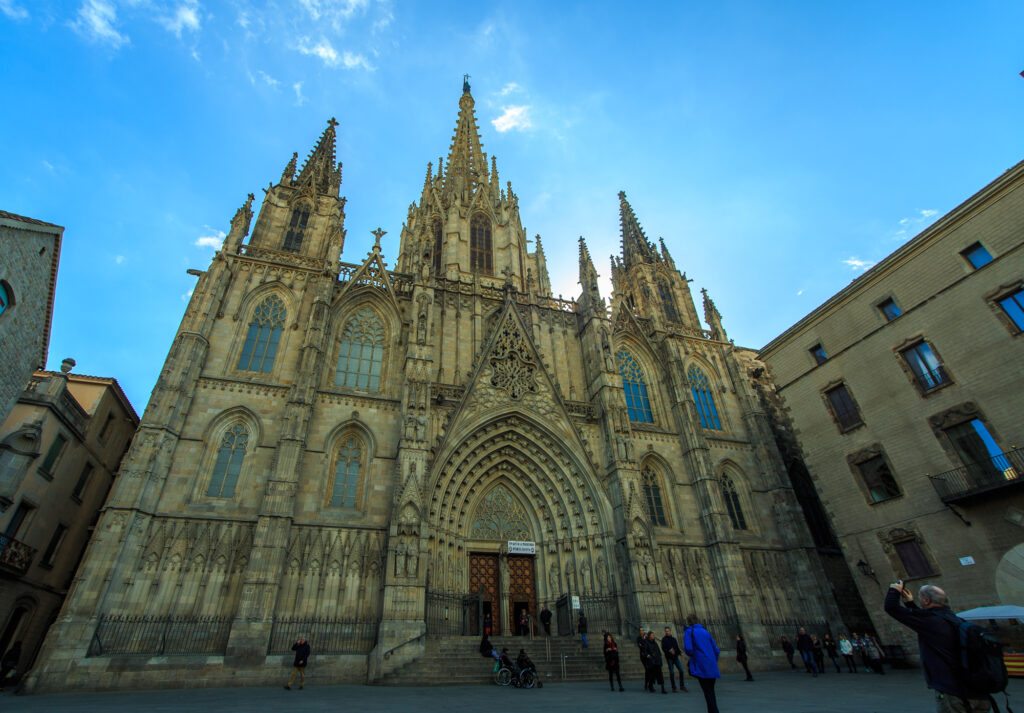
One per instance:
[(981, 667)]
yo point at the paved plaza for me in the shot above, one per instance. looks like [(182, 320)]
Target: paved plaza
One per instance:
[(777, 691)]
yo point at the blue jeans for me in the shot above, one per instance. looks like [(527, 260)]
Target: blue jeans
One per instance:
[(809, 662), (674, 663), (584, 637)]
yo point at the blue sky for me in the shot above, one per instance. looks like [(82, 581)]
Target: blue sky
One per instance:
[(778, 147)]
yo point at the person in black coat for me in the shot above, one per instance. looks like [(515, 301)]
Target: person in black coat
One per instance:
[(611, 661), (806, 648), (671, 648), (830, 648), (787, 648), (741, 655), (581, 627), (652, 656), (819, 654), (302, 651), (545, 619)]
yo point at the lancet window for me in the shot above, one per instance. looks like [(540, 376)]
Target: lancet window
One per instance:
[(361, 352), (296, 229), (345, 480), (261, 342), (228, 465), (638, 405), (652, 493), (435, 231), (668, 303), (704, 399), (732, 504), (480, 259)]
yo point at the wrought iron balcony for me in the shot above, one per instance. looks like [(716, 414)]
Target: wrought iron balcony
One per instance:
[(15, 555), (978, 480)]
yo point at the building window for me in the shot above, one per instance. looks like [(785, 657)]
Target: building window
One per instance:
[(296, 229), (638, 405), (668, 303), (106, 426), (732, 504), (83, 480), (889, 309), (229, 462), (977, 255), (361, 352), (914, 561), (261, 342), (20, 520), (843, 407), (1013, 306), (927, 370), (53, 455), (435, 230), (979, 452), (704, 399), (5, 297), (652, 493), (818, 353), (50, 553), (345, 484), (878, 479), (480, 244)]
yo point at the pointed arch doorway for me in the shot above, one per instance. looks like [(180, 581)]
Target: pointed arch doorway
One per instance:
[(507, 582)]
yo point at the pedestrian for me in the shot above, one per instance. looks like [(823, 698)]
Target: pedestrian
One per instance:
[(524, 623), (486, 648), (787, 648), (858, 647), (819, 654), (939, 643), (652, 653), (741, 655), (301, 649), (611, 661), (703, 652), (488, 624), (581, 626), (830, 649), (9, 662), (806, 648), (874, 652), (545, 619), (641, 644), (671, 648), (846, 649)]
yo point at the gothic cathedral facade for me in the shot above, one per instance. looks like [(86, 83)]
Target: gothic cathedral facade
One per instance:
[(338, 445)]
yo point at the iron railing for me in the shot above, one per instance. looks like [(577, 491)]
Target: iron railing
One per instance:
[(15, 554), (160, 635), (453, 613), (971, 480), (929, 379), (325, 636), (602, 612)]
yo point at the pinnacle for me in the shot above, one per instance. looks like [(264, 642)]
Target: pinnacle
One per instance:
[(319, 169), (635, 246)]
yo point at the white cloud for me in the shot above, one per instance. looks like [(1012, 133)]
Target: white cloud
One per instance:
[(118, 259), (211, 241), (299, 99), (13, 10), (95, 23), (515, 117), (928, 213), (914, 224), (243, 20), (509, 89), (799, 292), (266, 78), (354, 61), (323, 50), (333, 9), (188, 295), (49, 166), (185, 17), (857, 264)]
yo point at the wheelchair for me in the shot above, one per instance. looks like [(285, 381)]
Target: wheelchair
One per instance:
[(504, 676)]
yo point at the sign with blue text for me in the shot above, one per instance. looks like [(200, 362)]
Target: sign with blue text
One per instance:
[(519, 547)]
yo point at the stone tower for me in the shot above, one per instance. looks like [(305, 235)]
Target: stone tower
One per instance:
[(385, 456)]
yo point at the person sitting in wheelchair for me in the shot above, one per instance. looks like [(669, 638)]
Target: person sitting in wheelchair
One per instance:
[(523, 662), (506, 661)]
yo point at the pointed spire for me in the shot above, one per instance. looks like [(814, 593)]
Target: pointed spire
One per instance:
[(540, 247), (320, 170), (665, 256), (587, 272), (288, 175), (467, 163), (239, 226), (636, 248), (713, 317)]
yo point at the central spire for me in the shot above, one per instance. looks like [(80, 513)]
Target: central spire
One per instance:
[(636, 248), (320, 168), (467, 163)]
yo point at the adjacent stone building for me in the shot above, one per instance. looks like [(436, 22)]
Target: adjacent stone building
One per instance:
[(59, 451), (904, 390), (376, 455), (30, 251)]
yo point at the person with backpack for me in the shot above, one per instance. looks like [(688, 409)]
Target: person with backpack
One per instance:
[(951, 655)]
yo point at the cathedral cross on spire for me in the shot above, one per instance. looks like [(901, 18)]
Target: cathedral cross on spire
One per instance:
[(465, 84), (332, 122), (378, 234)]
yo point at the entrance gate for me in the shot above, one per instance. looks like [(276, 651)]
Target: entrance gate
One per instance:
[(483, 578), (522, 592)]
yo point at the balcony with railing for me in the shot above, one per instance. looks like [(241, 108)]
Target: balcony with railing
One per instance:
[(975, 481), (15, 555)]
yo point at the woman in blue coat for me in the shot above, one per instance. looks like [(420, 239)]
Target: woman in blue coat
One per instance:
[(703, 653)]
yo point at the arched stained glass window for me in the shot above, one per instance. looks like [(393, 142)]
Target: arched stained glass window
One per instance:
[(704, 399), (652, 492), (732, 504), (637, 403), (480, 244), (500, 516), (260, 346), (345, 484), (435, 231), (361, 352), (296, 229), (668, 303), (229, 462)]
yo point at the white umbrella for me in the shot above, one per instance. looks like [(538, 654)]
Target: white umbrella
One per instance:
[(1007, 611)]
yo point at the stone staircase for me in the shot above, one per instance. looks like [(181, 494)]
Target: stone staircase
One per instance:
[(456, 661)]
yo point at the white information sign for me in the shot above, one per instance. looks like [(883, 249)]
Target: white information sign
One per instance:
[(575, 602), (520, 547), (965, 561)]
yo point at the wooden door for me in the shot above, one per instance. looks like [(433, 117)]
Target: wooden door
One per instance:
[(522, 589), (483, 577)]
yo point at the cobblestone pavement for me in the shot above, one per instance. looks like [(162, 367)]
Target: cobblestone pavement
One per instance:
[(776, 691)]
